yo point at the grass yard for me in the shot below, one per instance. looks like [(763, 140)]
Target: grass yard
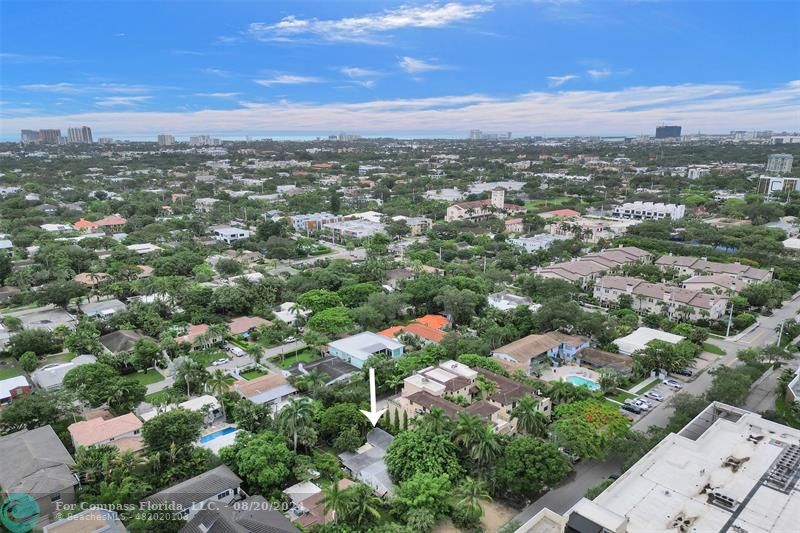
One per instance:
[(649, 386), (621, 395), (163, 397), (146, 378), (305, 356), (713, 348), (206, 357), (253, 374), (547, 203), (9, 372)]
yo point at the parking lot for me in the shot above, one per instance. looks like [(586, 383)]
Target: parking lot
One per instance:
[(651, 400)]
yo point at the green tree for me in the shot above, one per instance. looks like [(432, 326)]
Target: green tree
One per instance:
[(341, 417), (530, 420), (38, 341), (263, 460), (177, 428), (420, 451), (528, 465), (28, 361), (588, 427), (218, 385), (435, 422), (317, 300), (331, 321), (334, 500), (424, 490), (146, 354), (469, 495), (729, 385), (93, 384), (363, 507), (125, 396), (461, 305), (61, 293), (36, 410), (251, 416), (298, 413)]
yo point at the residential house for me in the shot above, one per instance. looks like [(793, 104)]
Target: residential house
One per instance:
[(254, 515), (205, 205), (109, 224), (188, 498), (356, 349), (505, 301), (289, 312), (416, 225), (6, 247), (542, 241), (308, 508), (229, 234), (122, 341), (206, 404), (513, 226), (103, 309), (51, 377), (200, 336), (244, 324), (367, 463), (428, 328), (272, 390), (529, 353), (595, 358), (585, 270), (716, 283), (91, 279), (35, 462), (693, 266), (92, 520), (13, 388), (482, 209), (658, 298), (313, 221), (124, 432), (641, 337)]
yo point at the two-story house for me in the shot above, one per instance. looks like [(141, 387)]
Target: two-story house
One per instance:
[(528, 353)]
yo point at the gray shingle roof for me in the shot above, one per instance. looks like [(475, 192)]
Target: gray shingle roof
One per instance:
[(252, 515), (198, 488), (35, 462)]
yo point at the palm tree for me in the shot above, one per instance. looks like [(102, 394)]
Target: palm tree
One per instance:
[(470, 493), (485, 386), (435, 422), (468, 429), (294, 416), (529, 419), (486, 449), (314, 380), (216, 333), (334, 500), (609, 379), (361, 504), (256, 352), (560, 392), (217, 384)]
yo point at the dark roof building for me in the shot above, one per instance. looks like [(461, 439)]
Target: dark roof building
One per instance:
[(252, 515)]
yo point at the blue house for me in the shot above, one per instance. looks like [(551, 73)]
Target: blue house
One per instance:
[(358, 348)]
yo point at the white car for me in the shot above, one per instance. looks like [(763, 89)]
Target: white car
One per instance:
[(288, 340), (219, 362), (653, 395), (673, 384), (641, 404)]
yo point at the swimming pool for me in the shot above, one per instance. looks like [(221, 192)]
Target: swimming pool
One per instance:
[(580, 381), (211, 436)]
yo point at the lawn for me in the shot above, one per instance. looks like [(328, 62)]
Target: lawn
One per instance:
[(713, 348), (785, 412), (253, 374), (305, 356), (9, 372), (543, 203), (206, 357), (146, 378), (621, 395), (162, 397), (652, 384)]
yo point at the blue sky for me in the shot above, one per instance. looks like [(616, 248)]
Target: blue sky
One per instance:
[(553, 67)]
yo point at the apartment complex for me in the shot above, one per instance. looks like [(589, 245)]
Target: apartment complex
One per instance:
[(649, 211), (658, 298), (780, 163), (694, 266), (773, 184), (166, 140), (584, 270), (314, 221), (80, 135), (727, 470), (481, 209), (668, 132), (452, 387)]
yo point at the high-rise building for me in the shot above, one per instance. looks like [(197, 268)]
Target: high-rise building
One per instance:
[(166, 140), (105, 140), (780, 163), (82, 135), (771, 184), (28, 136), (668, 132), (475, 135), (200, 140), (50, 136)]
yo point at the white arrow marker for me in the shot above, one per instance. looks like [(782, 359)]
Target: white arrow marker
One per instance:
[(373, 414)]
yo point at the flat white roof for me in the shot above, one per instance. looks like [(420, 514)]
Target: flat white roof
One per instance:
[(673, 481), (639, 339)]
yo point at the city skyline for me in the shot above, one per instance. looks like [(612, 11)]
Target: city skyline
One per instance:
[(399, 69)]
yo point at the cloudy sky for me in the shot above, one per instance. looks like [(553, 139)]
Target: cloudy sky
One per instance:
[(540, 67)]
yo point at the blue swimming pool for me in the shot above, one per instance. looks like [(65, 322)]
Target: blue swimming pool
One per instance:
[(211, 436), (580, 381)]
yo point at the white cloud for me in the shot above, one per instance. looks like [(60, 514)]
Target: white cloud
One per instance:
[(217, 95), (9, 57), (218, 72), (558, 81), (634, 110), (365, 28), (417, 66), (288, 79), (599, 73), (117, 101), (358, 72), (72, 88)]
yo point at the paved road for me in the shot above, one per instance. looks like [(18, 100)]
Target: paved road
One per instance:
[(161, 385), (236, 363), (562, 498)]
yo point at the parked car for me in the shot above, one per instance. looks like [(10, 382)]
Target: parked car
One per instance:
[(642, 404), (219, 362), (653, 395), (574, 458), (235, 350), (288, 340), (631, 408), (684, 372), (673, 384)]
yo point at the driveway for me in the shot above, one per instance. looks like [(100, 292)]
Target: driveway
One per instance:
[(561, 499)]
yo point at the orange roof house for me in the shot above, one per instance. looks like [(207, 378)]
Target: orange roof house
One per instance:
[(111, 220), (85, 225), (243, 324), (124, 432), (428, 327), (559, 213)]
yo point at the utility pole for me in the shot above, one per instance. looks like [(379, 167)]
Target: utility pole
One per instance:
[(730, 318), (780, 333)]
